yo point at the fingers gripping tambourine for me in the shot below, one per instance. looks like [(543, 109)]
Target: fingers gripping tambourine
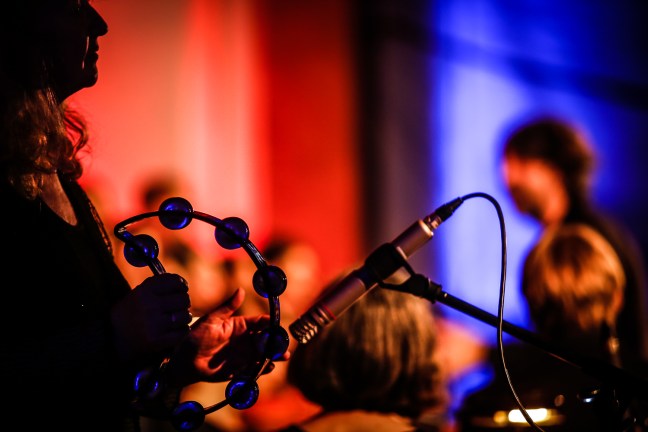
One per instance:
[(269, 282)]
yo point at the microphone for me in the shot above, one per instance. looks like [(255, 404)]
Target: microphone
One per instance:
[(380, 265)]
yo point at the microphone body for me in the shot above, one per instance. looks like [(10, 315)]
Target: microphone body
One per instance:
[(382, 263)]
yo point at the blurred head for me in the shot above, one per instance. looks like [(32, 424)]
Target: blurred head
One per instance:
[(157, 188), (545, 157), (573, 279), (301, 263), (50, 44), (377, 356)]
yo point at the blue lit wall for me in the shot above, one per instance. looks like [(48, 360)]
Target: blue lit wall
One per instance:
[(446, 79), (495, 62)]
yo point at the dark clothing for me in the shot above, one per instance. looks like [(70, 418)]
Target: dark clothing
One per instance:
[(542, 380), (58, 367), (415, 428), (295, 428), (632, 323)]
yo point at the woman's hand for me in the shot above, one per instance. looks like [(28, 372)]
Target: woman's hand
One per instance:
[(219, 346), (153, 318)]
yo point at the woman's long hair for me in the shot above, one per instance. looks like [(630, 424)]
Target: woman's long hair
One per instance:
[(39, 134)]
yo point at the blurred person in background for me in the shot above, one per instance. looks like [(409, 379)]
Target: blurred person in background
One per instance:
[(574, 288), (373, 369), (547, 165), (279, 403)]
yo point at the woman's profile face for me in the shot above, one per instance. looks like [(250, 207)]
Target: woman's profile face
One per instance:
[(71, 43)]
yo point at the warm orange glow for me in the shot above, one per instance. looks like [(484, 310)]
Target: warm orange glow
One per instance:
[(252, 104)]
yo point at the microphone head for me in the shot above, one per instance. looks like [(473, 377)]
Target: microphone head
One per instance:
[(306, 327), (303, 330)]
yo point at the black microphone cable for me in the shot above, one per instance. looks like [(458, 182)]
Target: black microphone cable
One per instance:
[(500, 307)]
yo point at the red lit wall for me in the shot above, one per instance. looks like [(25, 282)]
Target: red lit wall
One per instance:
[(250, 102)]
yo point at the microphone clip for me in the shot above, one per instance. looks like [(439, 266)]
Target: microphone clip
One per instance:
[(418, 285), (393, 271)]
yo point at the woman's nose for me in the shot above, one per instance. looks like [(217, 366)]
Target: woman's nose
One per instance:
[(99, 26)]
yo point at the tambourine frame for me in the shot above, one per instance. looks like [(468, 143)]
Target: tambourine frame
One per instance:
[(269, 281)]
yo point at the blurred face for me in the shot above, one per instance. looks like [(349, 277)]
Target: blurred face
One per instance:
[(530, 183), (72, 30)]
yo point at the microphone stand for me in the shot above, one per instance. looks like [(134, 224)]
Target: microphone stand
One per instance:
[(621, 383)]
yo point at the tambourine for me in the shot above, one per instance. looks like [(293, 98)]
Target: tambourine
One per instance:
[(269, 282)]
